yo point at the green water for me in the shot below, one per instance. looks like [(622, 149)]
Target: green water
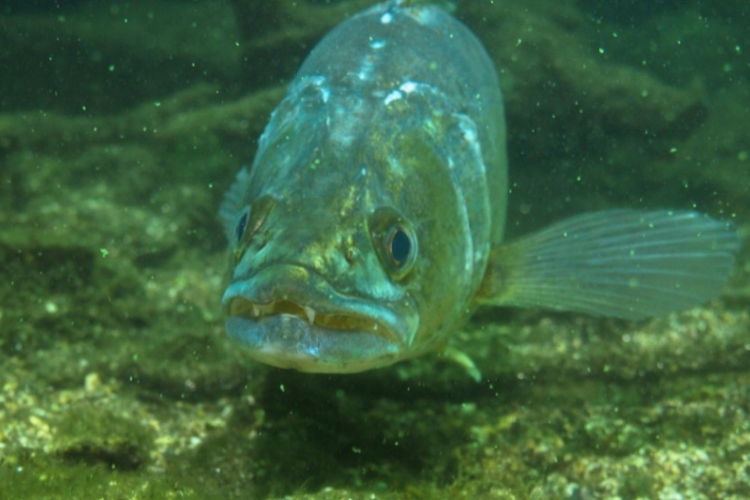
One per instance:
[(123, 123)]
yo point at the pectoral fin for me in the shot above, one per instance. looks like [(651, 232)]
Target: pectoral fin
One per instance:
[(621, 263)]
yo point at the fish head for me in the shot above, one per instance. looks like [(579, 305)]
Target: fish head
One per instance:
[(349, 250), (309, 293)]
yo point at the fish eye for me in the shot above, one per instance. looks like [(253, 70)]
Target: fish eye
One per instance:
[(399, 245), (241, 225), (395, 241)]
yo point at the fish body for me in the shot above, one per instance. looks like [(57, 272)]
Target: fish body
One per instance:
[(370, 223)]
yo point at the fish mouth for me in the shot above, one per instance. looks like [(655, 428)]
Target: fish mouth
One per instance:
[(290, 317), (333, 322)]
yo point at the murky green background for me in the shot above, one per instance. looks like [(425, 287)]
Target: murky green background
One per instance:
[(121, 126)]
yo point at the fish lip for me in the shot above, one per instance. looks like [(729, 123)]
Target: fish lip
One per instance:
[(291, 317), (341, 322), (287, 341)]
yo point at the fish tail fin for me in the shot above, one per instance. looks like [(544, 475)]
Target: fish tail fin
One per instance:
[(620, 263)]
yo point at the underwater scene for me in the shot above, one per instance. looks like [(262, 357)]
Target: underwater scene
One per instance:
[(155, 342)]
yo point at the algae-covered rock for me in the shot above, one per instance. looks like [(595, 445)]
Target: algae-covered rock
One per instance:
[(92, 434)]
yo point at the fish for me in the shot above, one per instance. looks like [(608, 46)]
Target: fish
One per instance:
[(369, 226)]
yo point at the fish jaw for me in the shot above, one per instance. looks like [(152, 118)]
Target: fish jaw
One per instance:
[(290, 317)]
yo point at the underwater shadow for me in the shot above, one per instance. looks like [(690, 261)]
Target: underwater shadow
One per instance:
[(368, 430)]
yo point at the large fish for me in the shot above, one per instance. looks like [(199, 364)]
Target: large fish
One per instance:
[(370, 224)]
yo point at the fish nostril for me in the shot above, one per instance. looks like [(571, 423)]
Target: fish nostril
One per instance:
[(255, 226), (351, 254), (261, 240), (252, 230)]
